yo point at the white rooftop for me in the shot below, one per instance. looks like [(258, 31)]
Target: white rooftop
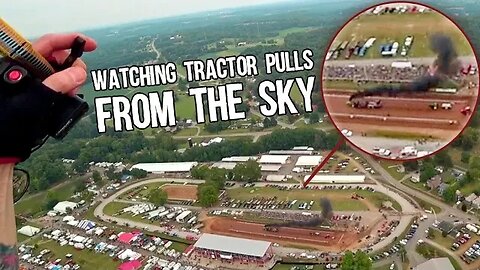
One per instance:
[(165, 167), (274, 159), (308, 161), (276, 177), (225, 165), (28, 230), (61, 207), (270, 168), (435, 264), (235, 245), (337, 179), (239, 159)]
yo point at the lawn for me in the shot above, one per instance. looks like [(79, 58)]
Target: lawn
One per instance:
[(113, 207), (340, 199), (34, 204), (187, 132), (392, 169), (395, 27), (443, 241), (430, 252), (85, 258), (185, 106), (403, 135), (428, 206)]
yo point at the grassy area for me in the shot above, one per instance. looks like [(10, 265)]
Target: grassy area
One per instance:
[(392, 169), (185, 106), (34, 205), (427, 206), (114, 207), (85, 258), (340, 199), (395, 27), (187, 132), (443, 241), (429, 252), (399, 135)]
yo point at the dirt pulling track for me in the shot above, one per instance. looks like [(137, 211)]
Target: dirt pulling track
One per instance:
[(321, 239), (411, 113), (181, 192)]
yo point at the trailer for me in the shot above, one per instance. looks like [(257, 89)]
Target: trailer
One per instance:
[(472, 228)]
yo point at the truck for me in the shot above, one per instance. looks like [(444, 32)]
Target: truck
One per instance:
[(362, 104)]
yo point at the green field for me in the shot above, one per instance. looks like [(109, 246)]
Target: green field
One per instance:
[(187, 132), (85, 258), (340, 199), (34, 204), (445, 242), (389, 167), (114, 207), (185, 106), (395, 27)]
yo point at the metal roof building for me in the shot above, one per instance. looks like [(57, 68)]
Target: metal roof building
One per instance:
[(435, 264), (276, 178), (308, 161), (337, 179), (225, 165), (169, 167), (270, 168), (290, 152), (233, 245), (239, 159), (274, 159)]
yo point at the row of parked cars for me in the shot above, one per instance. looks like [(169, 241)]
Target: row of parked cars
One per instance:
[(398, 246)]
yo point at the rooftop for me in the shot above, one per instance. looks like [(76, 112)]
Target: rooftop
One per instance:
[(308, 161), (235, 245), (339, 179), (435, 264), (274, 159), (165, 167)]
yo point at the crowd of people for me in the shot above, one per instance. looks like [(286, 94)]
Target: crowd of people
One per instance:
[(377, 73)]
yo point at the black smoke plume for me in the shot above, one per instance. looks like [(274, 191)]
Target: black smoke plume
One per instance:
[(445, 64), (325, 215)]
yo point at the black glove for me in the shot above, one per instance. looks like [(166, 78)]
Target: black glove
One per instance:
[(27, 112)]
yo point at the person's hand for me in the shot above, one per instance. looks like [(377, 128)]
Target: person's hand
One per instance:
[(54, 47)]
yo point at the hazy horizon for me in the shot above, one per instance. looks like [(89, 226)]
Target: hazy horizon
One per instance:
[(32, 18)]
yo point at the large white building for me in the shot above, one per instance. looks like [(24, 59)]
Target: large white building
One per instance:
[(239, 159), (274, 159), (61, 207), (229, 247), (168, 167), (337, 179), (308, 161)]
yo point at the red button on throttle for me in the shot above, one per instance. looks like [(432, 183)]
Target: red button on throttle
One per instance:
[(15, 75)]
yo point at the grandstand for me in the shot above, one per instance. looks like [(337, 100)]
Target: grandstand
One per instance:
[(238, 249)]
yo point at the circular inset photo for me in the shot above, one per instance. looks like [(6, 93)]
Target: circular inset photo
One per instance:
[(400, 81)]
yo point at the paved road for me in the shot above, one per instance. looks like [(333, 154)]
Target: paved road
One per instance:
[(448, 213), (446, 209)]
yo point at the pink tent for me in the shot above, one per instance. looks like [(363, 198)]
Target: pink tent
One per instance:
[(126, 238), (132, 265)]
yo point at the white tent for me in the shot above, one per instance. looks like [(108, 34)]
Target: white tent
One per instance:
[(68, 219), (28, 230)]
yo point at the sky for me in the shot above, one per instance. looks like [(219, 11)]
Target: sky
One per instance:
[(36, 17)]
